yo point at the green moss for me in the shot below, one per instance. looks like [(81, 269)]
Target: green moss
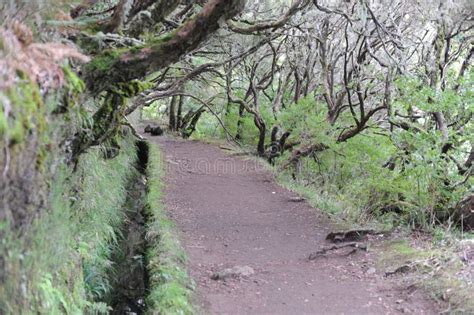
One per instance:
[(3, 124), (105, 60), (26, 112), (108, 117), (40, 265), (437, 269), (135, 49), (170, 285), (402, 248), (164, 38), (17, 132), (132, 88), (62, 264), (74, 83), (399, 252)]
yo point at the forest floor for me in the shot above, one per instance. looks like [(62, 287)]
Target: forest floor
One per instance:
[(248, 241)]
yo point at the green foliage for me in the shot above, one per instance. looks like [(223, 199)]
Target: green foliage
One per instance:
[(23, 110), (348, 180), (40, 273), (74, 83), (436, 268), (433, 183), (307, 121), (53, 298), (249, 132), (169, 284), (352, 179), (59, 265), (413, 92), (105, 60), (208, 127), (154, 111), (98, 212)]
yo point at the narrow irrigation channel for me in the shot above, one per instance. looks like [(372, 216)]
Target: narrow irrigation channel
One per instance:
[(149, 271), (130, 272)]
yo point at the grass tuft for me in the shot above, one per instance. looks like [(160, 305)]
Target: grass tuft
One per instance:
[(170, 286), (61, 264)]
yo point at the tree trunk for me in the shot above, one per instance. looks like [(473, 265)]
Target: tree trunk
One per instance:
[(261, 136), (172, 114), (238, 136), (118, 66), (297, 87), (189, 129), (180, 112)]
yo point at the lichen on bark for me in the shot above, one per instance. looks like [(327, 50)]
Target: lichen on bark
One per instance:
[(108, 118), (120, 66)]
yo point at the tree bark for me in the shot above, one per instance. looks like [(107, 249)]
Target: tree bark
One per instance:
[(238, 135), (180, 112), (172, 121), (260, 123), (124, 65)]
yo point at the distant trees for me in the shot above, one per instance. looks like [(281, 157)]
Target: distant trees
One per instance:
[(392, 69), (367, 104), (320, 74)]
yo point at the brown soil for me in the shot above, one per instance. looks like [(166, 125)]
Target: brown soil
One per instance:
[(231, 213)]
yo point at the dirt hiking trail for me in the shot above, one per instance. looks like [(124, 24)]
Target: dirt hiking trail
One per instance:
[(248, 242)]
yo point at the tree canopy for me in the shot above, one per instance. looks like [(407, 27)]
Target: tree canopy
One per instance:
[(364, 105)]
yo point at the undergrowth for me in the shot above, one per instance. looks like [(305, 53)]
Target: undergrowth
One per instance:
[(170, 286), (59, 265), (98, 213), (434, 265)]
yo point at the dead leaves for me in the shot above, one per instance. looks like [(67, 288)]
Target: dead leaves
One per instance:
[(40, 62)]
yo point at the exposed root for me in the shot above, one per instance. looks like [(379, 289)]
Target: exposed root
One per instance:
[(297, 199), (401, 269), (226, 148), (246, 153), (349, 236), (324, 250)]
